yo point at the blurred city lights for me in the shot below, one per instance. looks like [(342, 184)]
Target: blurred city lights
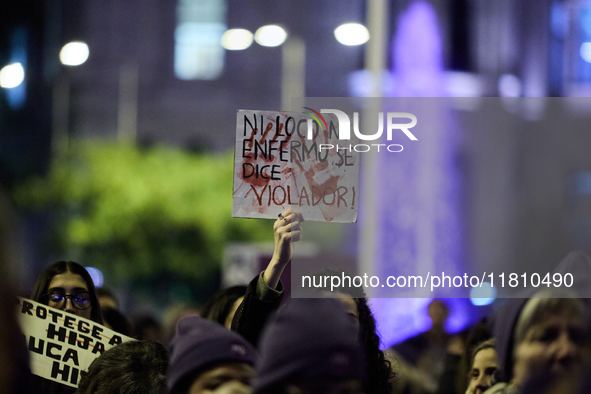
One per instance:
[(74, 53), (197, 50), (270, 36), (237, 39), (463, 84), (482, 295), (96, 275), (351, 34), (582, 183), (585, 51), (509, 86), (12, 76)]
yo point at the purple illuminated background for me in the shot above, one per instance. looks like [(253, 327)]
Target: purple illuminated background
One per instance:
[(418, 228)]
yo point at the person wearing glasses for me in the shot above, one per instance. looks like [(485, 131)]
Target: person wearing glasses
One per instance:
[(67, 286)]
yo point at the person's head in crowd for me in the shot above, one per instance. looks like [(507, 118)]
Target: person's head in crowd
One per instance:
[(222, 306), (553, 333), (14, 357), (379, 369), (547, 332), (66, 285), (478, 333), (204, 356), (147, 327), (311, 346), (117, 321), (484, 367), (106, 298), (472, 338), (170, 320), (13, 352), (438, 313), (134, 367), (577, 265)]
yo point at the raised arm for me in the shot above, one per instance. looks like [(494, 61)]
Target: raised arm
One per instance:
[(264, 292), (287, 229)]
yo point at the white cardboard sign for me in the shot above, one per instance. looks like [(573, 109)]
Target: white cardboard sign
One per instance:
[(277, 167), (61, 344)]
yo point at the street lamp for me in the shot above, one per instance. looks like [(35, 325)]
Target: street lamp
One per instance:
[(270, 36), (236, 39), (12, 76), (74, 53), (293, 54), (351, 34)]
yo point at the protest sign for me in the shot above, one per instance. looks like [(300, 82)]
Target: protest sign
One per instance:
[(61, 344), (277, 167)]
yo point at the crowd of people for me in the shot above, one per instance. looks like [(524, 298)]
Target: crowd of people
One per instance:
[(246, 340)]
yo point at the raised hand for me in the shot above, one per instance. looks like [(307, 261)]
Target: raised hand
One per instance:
[(287, 229)]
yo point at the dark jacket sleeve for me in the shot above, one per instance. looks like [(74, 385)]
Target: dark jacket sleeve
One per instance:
[(260, 301), (447, 381)]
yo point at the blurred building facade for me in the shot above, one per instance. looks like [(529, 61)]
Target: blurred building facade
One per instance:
[(536, 186)]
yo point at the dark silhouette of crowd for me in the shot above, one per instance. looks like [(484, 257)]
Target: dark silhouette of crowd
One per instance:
[(248, 339)]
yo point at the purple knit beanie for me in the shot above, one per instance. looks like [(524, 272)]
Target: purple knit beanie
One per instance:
[(311, 340), (200, 344)]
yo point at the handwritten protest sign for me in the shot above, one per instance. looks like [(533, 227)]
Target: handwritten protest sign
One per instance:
[(277, 167), (61, 344)]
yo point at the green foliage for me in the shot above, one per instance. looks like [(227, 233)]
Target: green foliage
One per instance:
[(142, 213)]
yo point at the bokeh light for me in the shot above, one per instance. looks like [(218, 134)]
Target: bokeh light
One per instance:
[(585, 51), (12, 76), (237, 39), (74, 53), (509, 86), (96, 275), (351, 34), (270, 36), (482, 295)]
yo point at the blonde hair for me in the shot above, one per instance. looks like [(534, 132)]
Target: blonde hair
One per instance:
[(547, 303)]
